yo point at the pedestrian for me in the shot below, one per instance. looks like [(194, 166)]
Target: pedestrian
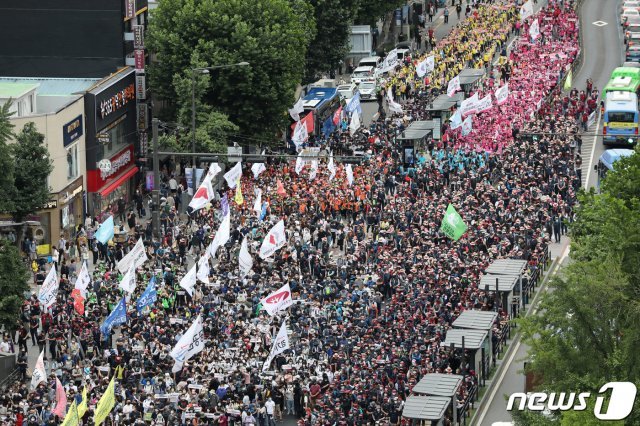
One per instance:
[(446, 15)]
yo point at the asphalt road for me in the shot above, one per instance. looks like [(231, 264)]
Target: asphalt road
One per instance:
[(602, 48)]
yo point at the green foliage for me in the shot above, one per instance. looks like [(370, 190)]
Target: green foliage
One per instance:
[(13, 284), (532, 418), (266, 33), (588, 330), (372, 10), (333, 18), (32, 168), (6, 163)]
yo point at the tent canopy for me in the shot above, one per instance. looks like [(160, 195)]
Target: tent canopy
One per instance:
[(476, 319), (416, 131), (473, 339), (425, 407), (470, 75), (506, 283), (436, 384), (507, 267)]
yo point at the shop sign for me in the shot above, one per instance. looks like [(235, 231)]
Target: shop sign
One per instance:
[(139, 58), (130, 8), (72, 131), (119, 162), (116, 101), (51, 204), (141, 87), (142, 116), (144, 143), (68, 196), (138, 37)]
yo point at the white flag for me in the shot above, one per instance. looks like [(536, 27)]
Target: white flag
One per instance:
[(39, 374), (203, 268), (349, 172), (258, 168), (191, 343), (280, 344), (391, 61), (393, 105), (257, 206), (214, 169), (355, 123), (49, 290), (332, 168), (188, 282), (222, 236), (233, 175), (128, 282), (300, 134), (526, 10), (277, 301), (425, 66), (274, 240), (83, 281), (467, 126), (534, 30), (314, 170), (502, 94), (484, 104), (245, 260), (136, 257), (454, 86), (300, 162), (298, 107), (203, 195), (456, 120), (469, 105)]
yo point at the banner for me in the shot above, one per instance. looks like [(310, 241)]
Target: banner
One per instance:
[(354, 125), (128, 283), (245, 261), (106, 403), (203, 195), (300, 163), (393, 105), (136, 257), (280, 344), (83, 280), (534, 30), (72, 418), (456, 120), (39, 374), (354, 105), (332, 168), (105, 232), (49, 290), (467, 126), (452, 225), (116, 317), (425, 66), (191, 343), (78, 301), (203, 268), (454, 86), (233, 175), (188, 282), (83, 405), (300, 134), (349, 173), (214, 169), (337, 116), (257, 205), (526, 10), (239, 199), (314, 170), (149, 296), (280, 191), (484, 104), (568, 83), (502, 94), (391, 61), (274, 240), (258, 168), (61, 400), (469, 105), (298, 108), (277, 301)]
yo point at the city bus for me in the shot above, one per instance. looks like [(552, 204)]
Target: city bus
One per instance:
[(622, 84), (620, 118), (632, 72), (607, 160)]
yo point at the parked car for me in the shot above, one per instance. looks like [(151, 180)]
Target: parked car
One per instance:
[(632, 20), (403, 53), (629, 13), (347, 91), (368, 90), (362, 73), (631, 64), (633, 48), (631, 5), (631, 29)]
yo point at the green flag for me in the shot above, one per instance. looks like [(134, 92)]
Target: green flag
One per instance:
[(452, 224), (259, 308), (567, 82)]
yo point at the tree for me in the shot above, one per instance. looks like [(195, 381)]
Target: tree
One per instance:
[(587, 333), (13, 284), (6, 163), (333, 19), (32, 168), (269, 34), (372, 10)]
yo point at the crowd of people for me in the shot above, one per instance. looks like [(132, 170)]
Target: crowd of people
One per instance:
[(376, 284)]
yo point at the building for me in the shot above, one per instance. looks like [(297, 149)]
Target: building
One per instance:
[(70, 38), (56, 106)]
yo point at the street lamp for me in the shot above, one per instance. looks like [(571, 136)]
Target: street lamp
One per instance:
[(202, 70)]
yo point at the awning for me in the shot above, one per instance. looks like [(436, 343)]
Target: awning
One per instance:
[(116, 183)]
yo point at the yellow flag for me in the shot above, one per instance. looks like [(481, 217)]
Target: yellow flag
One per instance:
[(106, 403), (82, 407), (567, 82), (72, 418), (239, 199)]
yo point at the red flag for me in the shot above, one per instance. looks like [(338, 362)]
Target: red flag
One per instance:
[(281, 190), (78, 301), (308, 121), (336, 115), (61, 400)]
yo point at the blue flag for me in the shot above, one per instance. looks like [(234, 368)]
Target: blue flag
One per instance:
[(105, 231), (116, 317), (263, 213), (224, 205), (328, 127), (354, 104), (149, 296)]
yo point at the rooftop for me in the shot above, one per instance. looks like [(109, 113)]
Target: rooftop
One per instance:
[(15, 90)]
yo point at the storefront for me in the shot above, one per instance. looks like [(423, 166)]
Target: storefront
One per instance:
[(111, 135)]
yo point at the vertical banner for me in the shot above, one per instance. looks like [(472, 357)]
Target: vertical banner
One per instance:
[(139, 57), (138, 37), (130, 9), (144, 143), (149, 181), (141, 87), (188, 173), (142, 116)]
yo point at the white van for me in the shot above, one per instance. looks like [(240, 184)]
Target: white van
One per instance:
[(371, 61), (363, 73)]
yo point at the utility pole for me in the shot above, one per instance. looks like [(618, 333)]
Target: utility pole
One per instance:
[(155, 213)]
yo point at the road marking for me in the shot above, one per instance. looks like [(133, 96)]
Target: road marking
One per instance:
[(505, 366), (599, 23), (593, 152)]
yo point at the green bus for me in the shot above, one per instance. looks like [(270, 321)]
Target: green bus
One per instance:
[(623, 79)]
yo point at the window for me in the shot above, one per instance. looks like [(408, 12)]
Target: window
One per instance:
[(622, 117), (72, 162)]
